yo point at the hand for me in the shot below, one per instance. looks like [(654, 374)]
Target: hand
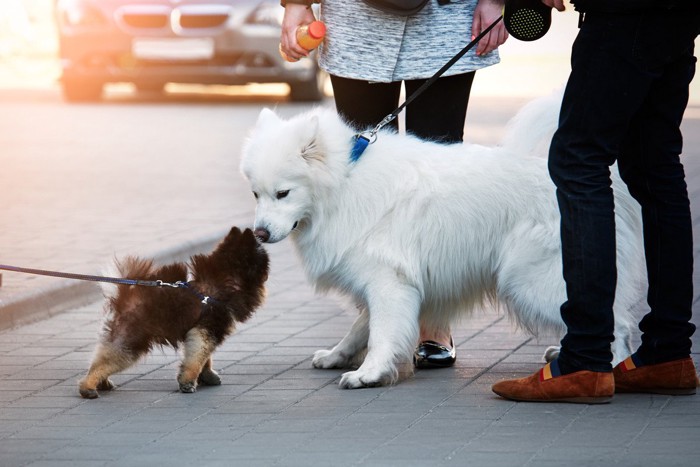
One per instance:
[(485, 13), (558, 4), (295, 15)]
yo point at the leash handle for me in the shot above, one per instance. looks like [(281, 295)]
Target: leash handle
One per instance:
[(432, 79)]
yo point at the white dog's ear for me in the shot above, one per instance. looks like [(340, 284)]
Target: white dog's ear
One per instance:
[(310, 150), (266, 117)]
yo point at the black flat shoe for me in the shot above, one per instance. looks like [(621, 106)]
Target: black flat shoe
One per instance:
[(430, 354)]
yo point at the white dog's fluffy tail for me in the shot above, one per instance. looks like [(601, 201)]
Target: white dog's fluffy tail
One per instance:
[(530, 131)]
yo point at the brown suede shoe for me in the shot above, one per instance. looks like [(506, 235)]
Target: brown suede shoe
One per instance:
[(581, 387), (677, 377)]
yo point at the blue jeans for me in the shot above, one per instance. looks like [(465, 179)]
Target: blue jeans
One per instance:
[(624, 102)]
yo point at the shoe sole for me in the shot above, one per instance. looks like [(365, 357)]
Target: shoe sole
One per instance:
[(663, 391), (576, 400), (588, 400), (429, 366), (571, 400)]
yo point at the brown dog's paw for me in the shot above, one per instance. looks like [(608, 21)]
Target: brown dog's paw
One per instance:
[(209, 378), (89, 393), (188, 388), (85, 389), (106, 385)]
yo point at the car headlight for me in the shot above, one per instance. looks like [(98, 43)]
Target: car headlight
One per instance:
[(79, 13), (266, 13)]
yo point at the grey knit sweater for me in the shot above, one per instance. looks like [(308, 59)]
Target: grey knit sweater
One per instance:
[(365, 43)]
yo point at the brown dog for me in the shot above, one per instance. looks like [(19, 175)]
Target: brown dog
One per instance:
[(139, 317)]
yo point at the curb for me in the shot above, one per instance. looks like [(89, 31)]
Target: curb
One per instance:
[(67, 294)]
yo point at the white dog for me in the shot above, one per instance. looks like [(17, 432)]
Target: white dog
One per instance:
[(420, 232)]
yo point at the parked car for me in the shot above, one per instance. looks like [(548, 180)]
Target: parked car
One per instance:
[(153, 42)]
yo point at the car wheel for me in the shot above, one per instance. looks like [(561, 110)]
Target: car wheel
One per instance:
[(81, 91), (309, 91)]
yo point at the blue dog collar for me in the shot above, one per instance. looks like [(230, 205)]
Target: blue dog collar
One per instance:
[(360, 143)]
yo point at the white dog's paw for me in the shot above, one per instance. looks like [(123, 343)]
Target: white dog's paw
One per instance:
[(355, 380), (329, 359), (551, 353), (366, 379)]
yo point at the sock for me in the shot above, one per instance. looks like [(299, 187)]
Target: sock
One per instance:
[(558, 367), (554, 369), (564, 368), (630, 363)]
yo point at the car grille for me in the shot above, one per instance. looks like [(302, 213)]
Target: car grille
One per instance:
[(136, 20), (249, 60), (202, 21), (179, 19)]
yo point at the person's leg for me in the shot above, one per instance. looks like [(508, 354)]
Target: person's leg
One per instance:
[(606, 88), (439, 113), (650, 165), (364, 104), (603, 92)]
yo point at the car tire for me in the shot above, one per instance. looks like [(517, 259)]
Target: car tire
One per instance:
[(309, 91), (81, 91)]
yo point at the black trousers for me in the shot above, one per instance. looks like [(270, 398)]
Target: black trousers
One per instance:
[(438, 114), (624, 102)]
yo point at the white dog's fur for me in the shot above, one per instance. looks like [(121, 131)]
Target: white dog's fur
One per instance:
[(420, 232)]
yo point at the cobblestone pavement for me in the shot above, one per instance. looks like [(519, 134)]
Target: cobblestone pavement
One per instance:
[(273, 408)]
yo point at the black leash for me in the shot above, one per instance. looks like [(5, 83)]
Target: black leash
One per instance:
[(206, 300), (361, 141)]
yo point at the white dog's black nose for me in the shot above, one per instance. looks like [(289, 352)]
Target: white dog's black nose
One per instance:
[(262, 234)]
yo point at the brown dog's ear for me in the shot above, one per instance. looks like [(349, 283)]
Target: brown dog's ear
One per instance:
[(229, 243), (232, 237), (248, 239)]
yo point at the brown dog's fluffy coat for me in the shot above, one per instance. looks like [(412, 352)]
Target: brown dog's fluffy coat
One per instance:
[(139, 317)]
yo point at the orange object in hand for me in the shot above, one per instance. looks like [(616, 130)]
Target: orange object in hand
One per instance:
[(309, 36)]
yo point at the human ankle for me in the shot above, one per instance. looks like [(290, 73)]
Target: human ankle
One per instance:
[(441, 337)]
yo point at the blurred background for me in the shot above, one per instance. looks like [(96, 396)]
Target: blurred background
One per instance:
[(29, 47), (148, 44)]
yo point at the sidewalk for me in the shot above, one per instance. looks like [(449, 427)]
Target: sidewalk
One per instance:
[(275, 409)]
